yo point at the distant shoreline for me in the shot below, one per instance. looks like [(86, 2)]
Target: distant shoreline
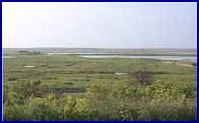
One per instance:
[(103, 48), (102, 51)]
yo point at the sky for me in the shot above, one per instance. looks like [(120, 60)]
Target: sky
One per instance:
[(99, 25)]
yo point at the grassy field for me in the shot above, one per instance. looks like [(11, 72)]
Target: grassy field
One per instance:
[(68, 87)]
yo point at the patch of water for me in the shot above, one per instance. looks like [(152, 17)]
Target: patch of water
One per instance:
[(117, 73), (178, 58), (8, 57)]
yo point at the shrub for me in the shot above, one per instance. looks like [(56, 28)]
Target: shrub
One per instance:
[(143, 76)]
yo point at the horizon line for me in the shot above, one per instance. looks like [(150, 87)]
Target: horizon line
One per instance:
[(95, 48)]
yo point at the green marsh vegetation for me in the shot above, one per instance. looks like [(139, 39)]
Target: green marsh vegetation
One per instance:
[(68, 87)]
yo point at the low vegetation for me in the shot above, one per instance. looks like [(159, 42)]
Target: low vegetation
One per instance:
[(63, 87)]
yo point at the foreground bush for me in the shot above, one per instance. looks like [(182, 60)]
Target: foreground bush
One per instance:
[(158, 101), (77, 109)]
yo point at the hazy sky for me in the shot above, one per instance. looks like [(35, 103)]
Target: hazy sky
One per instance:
[(100, 25)]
